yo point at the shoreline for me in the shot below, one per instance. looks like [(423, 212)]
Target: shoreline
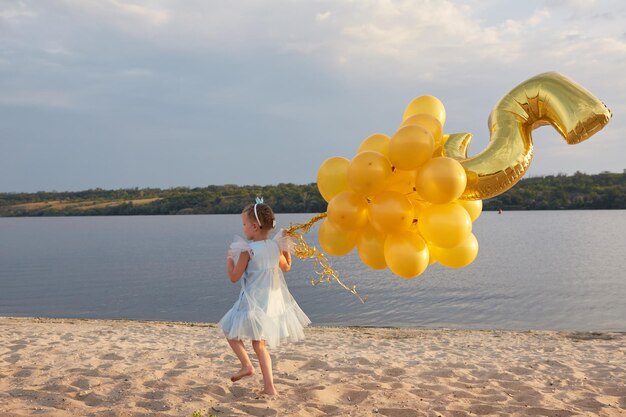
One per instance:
[(312, 326), (65, 367)]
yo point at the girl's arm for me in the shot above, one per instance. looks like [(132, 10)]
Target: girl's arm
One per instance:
[(285, 261), (236, 271)]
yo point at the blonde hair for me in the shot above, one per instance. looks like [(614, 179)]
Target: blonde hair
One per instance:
[(264, 212)]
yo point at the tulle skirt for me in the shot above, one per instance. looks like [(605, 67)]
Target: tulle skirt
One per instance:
[(245, 320)]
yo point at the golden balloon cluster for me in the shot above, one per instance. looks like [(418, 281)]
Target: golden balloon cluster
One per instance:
[(397, 201), (409, 200)]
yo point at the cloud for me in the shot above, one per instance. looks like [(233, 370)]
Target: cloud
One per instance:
[(309, 78), (363, 40)]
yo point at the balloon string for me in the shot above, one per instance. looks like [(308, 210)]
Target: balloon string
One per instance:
[(323, 270)]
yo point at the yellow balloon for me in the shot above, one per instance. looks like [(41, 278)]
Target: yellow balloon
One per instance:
[(332, 177), (347, 211), (377, 143), (458, 256), (370, 245), (430, 123), (441, 180), (368, 173), (410, 147), (335, 241), (473, 207), (426, 104), (445, 225), (390, 212), (548, 98), (406, 254), (401, 181)]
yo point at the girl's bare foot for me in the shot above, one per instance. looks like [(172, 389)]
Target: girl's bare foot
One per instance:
[(244, 372), (271, 391)]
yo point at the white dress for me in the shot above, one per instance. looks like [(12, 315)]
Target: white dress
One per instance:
[(265, 310)]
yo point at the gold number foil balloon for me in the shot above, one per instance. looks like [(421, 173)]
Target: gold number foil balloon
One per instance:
[(548, 98)]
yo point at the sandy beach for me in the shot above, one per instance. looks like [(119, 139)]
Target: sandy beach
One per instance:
[(68, 367)]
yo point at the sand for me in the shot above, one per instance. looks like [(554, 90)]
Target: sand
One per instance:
[(66, 367)]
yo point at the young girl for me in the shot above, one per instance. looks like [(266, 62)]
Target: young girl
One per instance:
[(265, 312)]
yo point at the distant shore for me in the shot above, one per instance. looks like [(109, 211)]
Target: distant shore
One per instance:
[(68, 367), (604, 191)]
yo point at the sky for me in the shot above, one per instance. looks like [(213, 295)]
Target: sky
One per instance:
[(131, 93)]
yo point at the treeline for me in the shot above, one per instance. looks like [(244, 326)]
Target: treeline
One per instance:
[(559, 192), (214, 199)]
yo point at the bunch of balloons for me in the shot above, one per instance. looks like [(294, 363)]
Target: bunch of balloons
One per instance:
[(397, 201), (409, 200)]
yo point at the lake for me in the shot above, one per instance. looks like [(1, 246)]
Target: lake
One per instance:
[(542, 270)]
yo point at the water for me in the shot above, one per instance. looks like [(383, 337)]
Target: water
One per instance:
[(559, 270)]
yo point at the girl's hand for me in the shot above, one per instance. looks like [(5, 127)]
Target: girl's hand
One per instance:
[(285, 261)]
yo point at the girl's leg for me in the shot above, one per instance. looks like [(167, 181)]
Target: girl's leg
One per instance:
[(246, 365), (265, 361)]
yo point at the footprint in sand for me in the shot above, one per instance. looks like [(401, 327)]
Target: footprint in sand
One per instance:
[(23, 373), (316, 364), (540, 411), (483, 409), (154, 405), (13, 358), (153, 383), (173, 373), (185, 365), (330, 396), (394, 372), (590, 404), (57, 388), (81, 383), (324, 408), (430, 391), (154, 395), (239, 392), (398, 412), (216, 391), (91, 399), (111, 357), (257, 411), (518, 370), (17, 347)]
